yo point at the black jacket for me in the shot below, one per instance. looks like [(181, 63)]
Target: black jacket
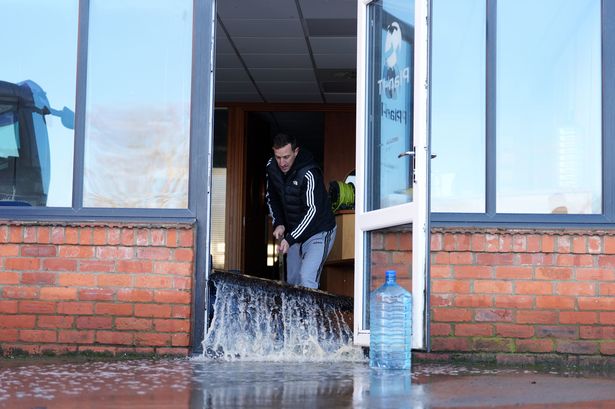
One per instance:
[(298, 199)]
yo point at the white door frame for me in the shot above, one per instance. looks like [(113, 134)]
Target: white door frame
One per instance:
[(415, 212)]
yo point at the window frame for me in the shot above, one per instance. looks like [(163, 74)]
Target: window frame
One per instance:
[(490, 217)]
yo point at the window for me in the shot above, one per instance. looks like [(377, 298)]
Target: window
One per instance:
[(517, 100), (37, 102), (137, 134)]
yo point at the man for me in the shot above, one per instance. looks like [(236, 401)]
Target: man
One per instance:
[(299, 206)]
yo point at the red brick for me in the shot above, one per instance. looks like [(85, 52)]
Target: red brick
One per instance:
[(99, 235), (564, 244), (553, 273), (172, 325), (596, 303), (594, 244), (548, 243), (96, 294), (609, 245), (135, 295), (37, 307), (607, 318), (174, 268), (4, 233), (76, 337), (401, 257), (461, 258), (9, 277), (77, 279), (533, 243), (71, 235), (15, 234), (576, 288), (8, 307), (441, 258), (607, 348), (557, 331), (451, 315), (450, 286), (38, 278), (182, 283), (443, 271), (113, 309), (536, 317), (157, 237), (18, 321), (152, 339), (114, 280), (492, 286), (9, 335), (405, 242), (29, 234), (514, 301), (54, 321), (473, 330), (576, 347), (94, 322), (77, 251), (441, 300), (534, 345), (186, 238), (463, 242), (129, 266), (438, 329), (478, 242), (59, 264), (579, 244), (43, 234), (450, 344), (597, 332), (134, 324), (178, 340), (114, 236), (20, 292), (115, 253), (514, 272), (606, 261), (152, 310), (96, 266), (436, 242), (605, 288), (180, 311), (85, 236), (76, 308), (505, 243), (493, 315), (9, 250), (391, 241), (128, 237), (448, 242), (595, 274), (172, 297), (38, 336), (153, 281), (115, 338), (462, 272), (473, 300), (22, 263), (533, 287), (535, 259), (519, 243), (183, 255), (57, 235), (555, 302), (575, 317), (38, 251), (142, 237), (514, 331), (154, 253), (494, 259), (58, 293)]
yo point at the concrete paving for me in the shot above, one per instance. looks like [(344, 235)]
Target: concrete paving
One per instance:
[(198, 383)]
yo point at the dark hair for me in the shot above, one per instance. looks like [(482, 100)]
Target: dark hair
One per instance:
[(281, 139)]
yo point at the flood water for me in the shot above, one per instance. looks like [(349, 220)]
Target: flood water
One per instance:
[(199, 383)]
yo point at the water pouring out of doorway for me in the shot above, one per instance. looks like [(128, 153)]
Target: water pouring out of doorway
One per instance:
[(264, 320)]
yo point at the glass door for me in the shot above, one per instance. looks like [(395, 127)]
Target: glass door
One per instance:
[(391, 229)]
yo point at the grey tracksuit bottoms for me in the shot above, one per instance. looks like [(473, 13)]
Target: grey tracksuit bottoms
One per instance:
[(304, 261)]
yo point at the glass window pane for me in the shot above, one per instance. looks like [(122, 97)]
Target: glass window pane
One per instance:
[(37, 102), (548, 107), (138, 101), (390, 73), (458, 106)]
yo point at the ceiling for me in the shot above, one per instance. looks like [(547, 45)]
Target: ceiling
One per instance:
[(286, 51)]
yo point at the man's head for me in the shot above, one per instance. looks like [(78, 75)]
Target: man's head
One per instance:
[(285, 150)]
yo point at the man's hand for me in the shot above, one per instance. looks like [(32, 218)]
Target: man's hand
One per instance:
[(278, 233), (283, 247)]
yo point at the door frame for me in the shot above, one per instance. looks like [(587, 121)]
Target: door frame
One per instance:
[(416, 212)]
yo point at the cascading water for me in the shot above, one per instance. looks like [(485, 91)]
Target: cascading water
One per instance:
[(262, 320)]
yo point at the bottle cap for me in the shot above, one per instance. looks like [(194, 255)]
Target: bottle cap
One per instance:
[(390, 274)]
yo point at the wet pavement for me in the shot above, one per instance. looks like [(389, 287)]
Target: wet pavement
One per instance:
[(197, 383)]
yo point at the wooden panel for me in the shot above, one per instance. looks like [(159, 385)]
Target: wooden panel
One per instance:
[(339, 149), (343, 248)]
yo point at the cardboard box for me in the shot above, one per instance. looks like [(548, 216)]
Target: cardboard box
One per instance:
[(343, 248)]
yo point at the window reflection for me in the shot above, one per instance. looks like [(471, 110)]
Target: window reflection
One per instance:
[(548, 107), (37, 102), (138, 100), (458, 106)]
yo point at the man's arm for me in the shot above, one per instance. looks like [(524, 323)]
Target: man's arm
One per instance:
[(311, 187)]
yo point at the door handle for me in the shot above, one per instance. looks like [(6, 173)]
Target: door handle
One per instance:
[(407, 153)]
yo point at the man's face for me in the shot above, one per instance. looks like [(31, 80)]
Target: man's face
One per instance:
[(285, 157)]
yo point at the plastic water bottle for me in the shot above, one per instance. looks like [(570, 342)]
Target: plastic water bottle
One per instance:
[(390, 322)]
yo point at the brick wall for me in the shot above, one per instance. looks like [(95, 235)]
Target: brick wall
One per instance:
[(523, 291), (121, 288)]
